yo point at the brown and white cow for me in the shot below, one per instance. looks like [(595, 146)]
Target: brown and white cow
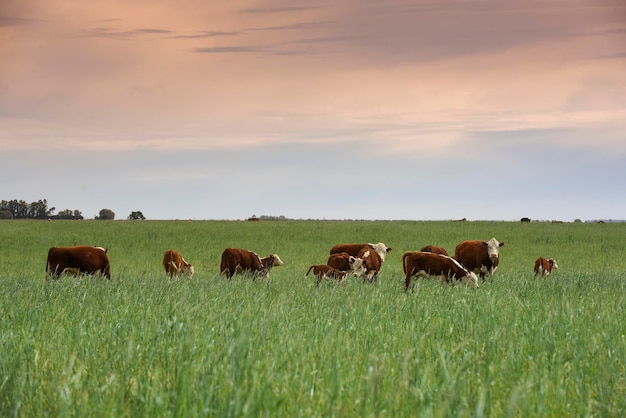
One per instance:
[(175, 265), (429, 264), (434, 249), (354, 249), (479, 256), (372, 262), (324, 271), (81, 259), (346, 262), (544, 266), (238, 260)]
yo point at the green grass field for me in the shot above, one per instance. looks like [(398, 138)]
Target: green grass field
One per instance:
[(142, 345)]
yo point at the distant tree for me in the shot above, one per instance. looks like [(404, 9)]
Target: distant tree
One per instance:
[(39, 210), (22, 210), (5, 214), (68, 214), (106, 215), (136, 216)]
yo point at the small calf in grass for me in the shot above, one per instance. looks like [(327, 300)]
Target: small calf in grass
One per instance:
[(544, 266), (324, 271)]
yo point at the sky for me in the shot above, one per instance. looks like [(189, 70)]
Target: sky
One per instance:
[(368, 109)]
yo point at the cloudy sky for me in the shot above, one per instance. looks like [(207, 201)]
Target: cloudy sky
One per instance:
[(368, 109)]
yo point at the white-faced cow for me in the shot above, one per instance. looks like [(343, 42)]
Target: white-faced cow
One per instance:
[(434, 249), (81, 259), (355, 249), (175, 265), (345, 262), (544, 266), (323, 271), (429, 264), (479, 256), (238, 260)]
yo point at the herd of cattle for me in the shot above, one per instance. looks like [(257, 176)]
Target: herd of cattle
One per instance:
[(471, 257)]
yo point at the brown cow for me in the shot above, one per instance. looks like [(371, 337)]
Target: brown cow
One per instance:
[(344, 262), (354, 249), (372, 262), (434, 249), (428, 264), (175, 264), (237, 260), (81, 259), (545, 266), (323, 271), (479, 256)]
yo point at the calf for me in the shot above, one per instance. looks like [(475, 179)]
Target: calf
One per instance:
[(427, 264), (545, 266), (323, 271), (479, 256), (344, 262), (354, 249), (434, 249), (237, 260), (175, 264), (81, 259), (372, 262)]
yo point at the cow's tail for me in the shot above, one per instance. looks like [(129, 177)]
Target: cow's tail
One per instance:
[(309, 270), (404, 256)]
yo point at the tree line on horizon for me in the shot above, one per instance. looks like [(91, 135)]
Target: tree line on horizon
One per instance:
[(20, 209)]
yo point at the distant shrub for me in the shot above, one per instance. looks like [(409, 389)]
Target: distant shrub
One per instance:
[(106, 215)]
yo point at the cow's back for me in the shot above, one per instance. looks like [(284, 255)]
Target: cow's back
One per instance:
[(351, 249), (434, 249)]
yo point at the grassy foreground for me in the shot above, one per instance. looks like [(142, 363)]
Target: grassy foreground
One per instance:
[(142, 345)]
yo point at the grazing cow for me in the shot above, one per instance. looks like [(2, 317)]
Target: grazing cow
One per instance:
[(175, 264), (525, 220), (344, 262), (545, 266), (479, 256), (82, 259), (372, 262), (434, 249), (237, 260), (323, 271), (427, 264), (354, 249)]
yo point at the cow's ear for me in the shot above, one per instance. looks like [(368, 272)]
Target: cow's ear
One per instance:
[(485, 243), (351, 259), (501, 244)]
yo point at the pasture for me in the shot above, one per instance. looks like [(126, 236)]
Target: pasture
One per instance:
[(145, 345)]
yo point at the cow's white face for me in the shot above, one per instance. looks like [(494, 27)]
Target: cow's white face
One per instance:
[(357, 265), (554, 264), (380, 248), (277, 260), (493, 248), (471, 280), (188, 270)]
